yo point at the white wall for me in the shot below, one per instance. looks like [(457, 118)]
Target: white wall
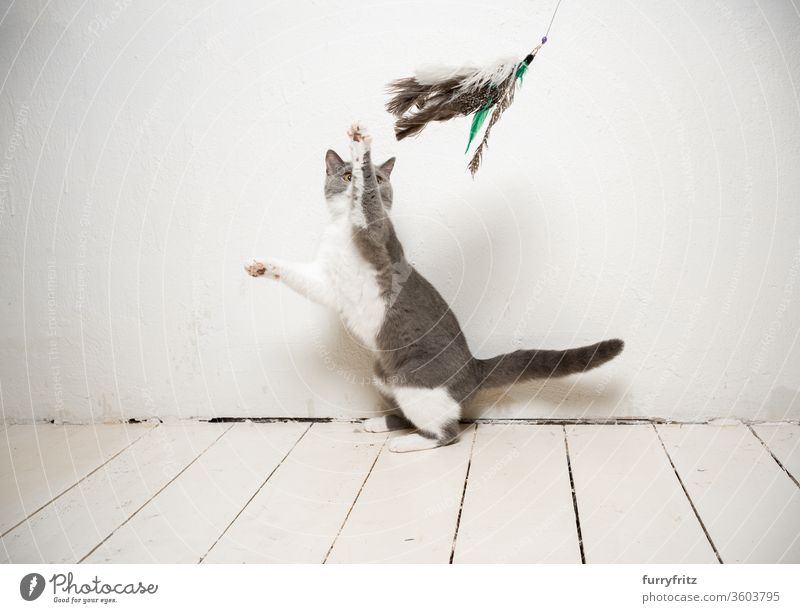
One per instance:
[(644, 185)]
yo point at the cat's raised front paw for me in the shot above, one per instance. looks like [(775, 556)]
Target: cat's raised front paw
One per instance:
[(358, 133), (257, 268)]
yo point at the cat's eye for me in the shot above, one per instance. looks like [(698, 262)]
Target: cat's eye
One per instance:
[(380, 179), (347, 176)]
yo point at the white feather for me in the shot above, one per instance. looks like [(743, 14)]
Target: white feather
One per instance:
[(492, 73), (474, 77), (428, 74)]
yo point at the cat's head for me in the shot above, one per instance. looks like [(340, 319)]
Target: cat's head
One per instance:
[(338, 175)]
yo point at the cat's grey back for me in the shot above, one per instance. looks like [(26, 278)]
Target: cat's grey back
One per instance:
[(420, 342)]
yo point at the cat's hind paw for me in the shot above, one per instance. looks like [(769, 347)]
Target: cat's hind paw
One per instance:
[(412, 442), (376, 424)]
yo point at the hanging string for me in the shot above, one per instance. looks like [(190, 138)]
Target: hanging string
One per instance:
[(529, 58), (552, 19)]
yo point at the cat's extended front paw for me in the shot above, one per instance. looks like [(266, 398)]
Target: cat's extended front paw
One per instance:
[(259, 268)]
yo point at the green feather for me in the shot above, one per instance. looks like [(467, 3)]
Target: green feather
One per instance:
[(521, 70), (477, 121)]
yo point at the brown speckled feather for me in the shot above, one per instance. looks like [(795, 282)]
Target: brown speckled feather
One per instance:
[(416, 104)]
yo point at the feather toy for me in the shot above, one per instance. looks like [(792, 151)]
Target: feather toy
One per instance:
[(439, 93)]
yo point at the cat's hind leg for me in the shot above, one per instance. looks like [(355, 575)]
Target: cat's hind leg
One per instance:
[(393, 420), (434, 413)]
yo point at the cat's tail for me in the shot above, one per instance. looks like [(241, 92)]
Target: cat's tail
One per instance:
[(527, 364)]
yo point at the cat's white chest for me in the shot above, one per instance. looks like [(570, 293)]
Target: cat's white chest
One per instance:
[(354, 283)]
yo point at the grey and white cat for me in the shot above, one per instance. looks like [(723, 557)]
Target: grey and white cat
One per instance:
[(423, 366)]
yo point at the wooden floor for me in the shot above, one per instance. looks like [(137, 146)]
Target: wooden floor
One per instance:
[(328, 492)]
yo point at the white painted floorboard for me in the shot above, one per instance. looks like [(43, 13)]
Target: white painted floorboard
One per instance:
[(182, 522), (518, 504), (631, 505), (293, 492), (749, 505), (408, 509), (69, 528), (783, 441), (299, 511), (40, 461)]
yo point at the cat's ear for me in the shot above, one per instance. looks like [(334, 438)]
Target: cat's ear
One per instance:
[(387, 166), (332, 162)]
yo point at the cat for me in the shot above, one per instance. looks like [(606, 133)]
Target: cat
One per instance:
[(424, 368)]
